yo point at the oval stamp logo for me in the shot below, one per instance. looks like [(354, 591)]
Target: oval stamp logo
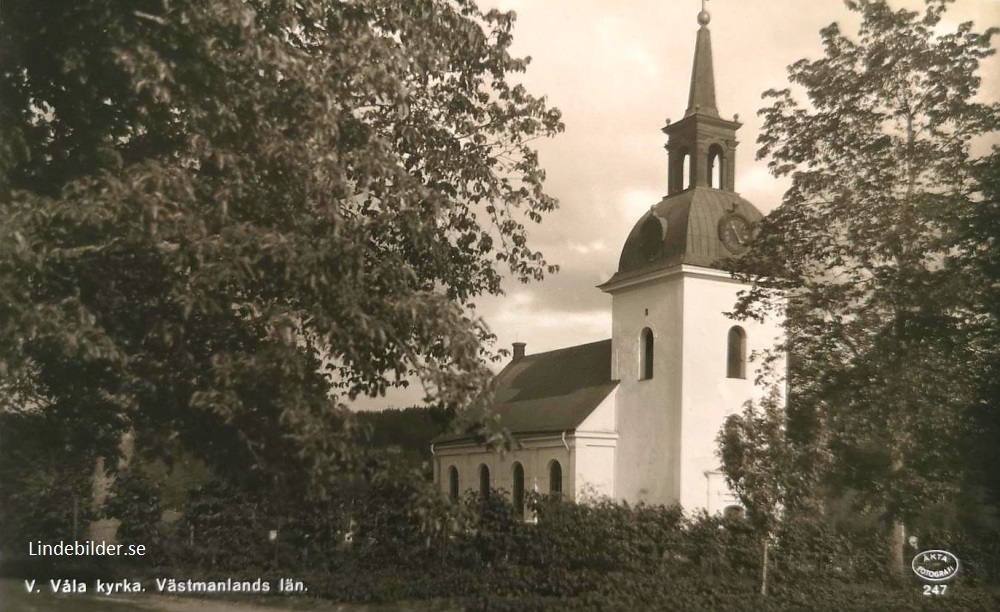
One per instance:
[(935, 565)]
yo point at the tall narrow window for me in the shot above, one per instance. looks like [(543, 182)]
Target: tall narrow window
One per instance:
[(646, 354), (453, 482), (555, 478), (518, 487), (736, 354), (484, 480), (686, 171), (716, 167)]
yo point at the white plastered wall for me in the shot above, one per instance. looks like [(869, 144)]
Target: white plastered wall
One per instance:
[(534, 456), (668, 425), (586, 456), (595, 467), (595, 444), (709, 395), (647, 468)]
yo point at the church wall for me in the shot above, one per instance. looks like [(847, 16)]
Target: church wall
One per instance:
[(534, 457), (604, 417), (594, 445), (646, 468), (595, 466), (720, 496), (709, 396)]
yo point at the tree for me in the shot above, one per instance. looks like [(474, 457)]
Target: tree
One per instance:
[(221, 220), (979, 260), (881, 167), (44, 490), (770, 472), (407, 432)]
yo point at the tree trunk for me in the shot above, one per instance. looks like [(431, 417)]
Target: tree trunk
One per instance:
[(765, 545), (897, 539), (897, 535)]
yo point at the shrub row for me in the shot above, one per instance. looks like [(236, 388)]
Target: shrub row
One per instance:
[(600, 555)]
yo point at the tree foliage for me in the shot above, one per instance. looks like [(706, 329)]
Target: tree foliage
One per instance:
[(769, 471), (221, 220), (44, 490), (864, 246), (980, 260), (772, 474), (407, 432)]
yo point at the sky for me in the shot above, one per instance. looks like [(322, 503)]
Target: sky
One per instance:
[(617, 69)]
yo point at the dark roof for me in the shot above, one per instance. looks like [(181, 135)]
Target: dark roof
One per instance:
[(690, 231), (553, 391)]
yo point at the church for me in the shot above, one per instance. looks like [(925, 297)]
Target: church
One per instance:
[(635, 417)]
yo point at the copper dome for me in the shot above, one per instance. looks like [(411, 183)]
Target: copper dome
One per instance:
[(688, 224)]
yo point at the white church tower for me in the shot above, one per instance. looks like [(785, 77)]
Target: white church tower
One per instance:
[(636, 417), (682, 365)]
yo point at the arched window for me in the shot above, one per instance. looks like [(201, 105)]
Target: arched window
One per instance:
[(518, 486), (453, 482), (646, 354), (484, 480), (686, 170), (736, 353), (555, 478), (716, 166)]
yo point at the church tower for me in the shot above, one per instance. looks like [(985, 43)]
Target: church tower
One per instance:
[(682, 365)]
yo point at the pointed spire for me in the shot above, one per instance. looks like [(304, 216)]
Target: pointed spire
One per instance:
[(702, 97)]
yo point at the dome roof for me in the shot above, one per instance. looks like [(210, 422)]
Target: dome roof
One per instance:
[(685, 228), (702, 221)]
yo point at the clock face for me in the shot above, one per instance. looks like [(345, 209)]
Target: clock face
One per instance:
[(735, 233)]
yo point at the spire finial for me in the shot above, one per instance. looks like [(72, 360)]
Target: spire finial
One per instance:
[(704, 16), (702, 98)]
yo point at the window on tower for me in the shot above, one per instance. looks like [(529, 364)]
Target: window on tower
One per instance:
[(686, 171), (716, 166), (736, 353), (646, 354), (484, 480)]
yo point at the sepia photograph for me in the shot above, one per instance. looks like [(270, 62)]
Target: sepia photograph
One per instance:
[(507, 305)]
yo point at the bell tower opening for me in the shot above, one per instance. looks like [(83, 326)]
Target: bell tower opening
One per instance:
[(678, 385), (716, 166), (702, 145)]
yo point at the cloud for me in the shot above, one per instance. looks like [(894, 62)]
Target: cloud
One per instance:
[(547, 329), (616, 70), (759, 187), (574, 288), (598, 245)]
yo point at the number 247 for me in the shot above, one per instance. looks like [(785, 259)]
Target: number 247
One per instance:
[(938, 589)]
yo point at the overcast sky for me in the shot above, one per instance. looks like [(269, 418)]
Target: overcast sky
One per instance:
[(617, 69)]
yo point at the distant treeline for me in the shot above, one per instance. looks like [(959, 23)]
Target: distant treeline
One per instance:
[(409, 430)]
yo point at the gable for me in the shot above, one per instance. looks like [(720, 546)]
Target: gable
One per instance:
[(553, 391)]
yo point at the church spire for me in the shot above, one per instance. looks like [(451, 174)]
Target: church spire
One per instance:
[(702, 97), (702, 145)]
